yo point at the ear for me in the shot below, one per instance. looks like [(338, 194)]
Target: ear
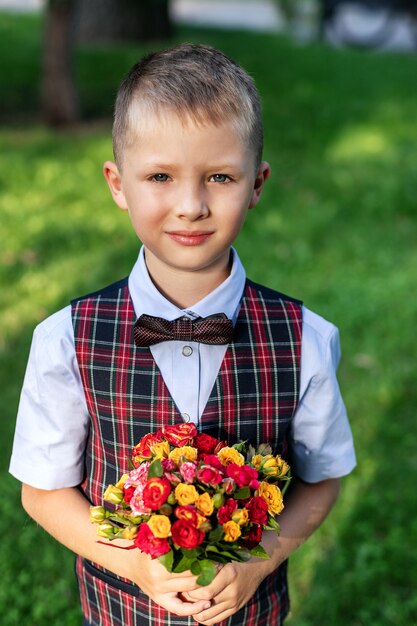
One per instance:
[(262, 175), (114, 181)]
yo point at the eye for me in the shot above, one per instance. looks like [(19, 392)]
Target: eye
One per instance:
[(220, 178), (160, 178)]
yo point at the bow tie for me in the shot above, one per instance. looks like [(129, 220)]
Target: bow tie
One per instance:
[(215, 330)]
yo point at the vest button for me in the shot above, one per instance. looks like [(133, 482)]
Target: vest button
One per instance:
[(187, 350), (185, 417)]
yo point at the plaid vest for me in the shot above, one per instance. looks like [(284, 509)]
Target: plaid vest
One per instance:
[(254, 398)]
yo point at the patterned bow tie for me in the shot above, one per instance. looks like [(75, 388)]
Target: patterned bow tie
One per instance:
[(215, 330)]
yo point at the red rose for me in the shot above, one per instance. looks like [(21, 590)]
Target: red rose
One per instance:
[(224, 513), (243, 475), (253, 537), (209, 475), (185, 535), (156, 492), (220, 446), (143, 448), (148, 543), (188, 513), (180, 434), (128, 493), (205, 444), (258, 510), (213, 460)]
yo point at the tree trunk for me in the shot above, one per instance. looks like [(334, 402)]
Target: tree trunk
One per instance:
[(110, 20), (59, 105)]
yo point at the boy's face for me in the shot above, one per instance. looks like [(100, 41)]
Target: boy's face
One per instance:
[(187, 189)]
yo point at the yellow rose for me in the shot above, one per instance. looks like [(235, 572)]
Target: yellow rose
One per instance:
[(231, 531), (283, 467), (230, 455), (241, 517), (271, 465), (113, 494), (205, 504), (257, 460), (122, 481), (130, 532), (160, 450), (186, 451), (186, 494), (160, 526), (272, 496)]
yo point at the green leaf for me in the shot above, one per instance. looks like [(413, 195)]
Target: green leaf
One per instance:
[(208, 572), (155, 469), (240, 446), (242, 494), (182, 565), (273, 524), (243, 554), (191, 554), (229, 554), (259, 551), (196, 567), (167, 560), (130, 465), (216, 534)]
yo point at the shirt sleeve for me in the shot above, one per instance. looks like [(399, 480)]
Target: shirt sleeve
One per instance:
[(53, 420), (322, 443)]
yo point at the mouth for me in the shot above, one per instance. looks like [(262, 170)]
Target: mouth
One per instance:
[(190, 238)]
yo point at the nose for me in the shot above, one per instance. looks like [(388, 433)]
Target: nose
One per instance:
[(192, 202)]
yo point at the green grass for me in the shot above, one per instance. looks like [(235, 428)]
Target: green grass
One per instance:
[(336, 227)]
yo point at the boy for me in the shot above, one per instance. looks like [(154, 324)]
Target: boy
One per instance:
[(188, 143)]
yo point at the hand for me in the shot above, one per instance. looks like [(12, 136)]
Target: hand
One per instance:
[(168, 590), (232, 588)]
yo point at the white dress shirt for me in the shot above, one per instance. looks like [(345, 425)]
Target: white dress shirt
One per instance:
[(53, 420)]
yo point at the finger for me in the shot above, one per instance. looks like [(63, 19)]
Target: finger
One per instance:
[(181, 585), (219, 584), (184, 609), (214, 615)]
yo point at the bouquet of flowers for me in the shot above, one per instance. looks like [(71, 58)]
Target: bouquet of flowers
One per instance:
[(192, 501)]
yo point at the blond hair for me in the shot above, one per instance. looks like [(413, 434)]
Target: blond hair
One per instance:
[(196, 82)]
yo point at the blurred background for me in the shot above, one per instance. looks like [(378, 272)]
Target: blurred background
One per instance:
[(336, 228)]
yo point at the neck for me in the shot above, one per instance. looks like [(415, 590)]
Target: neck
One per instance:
[(184, 288)]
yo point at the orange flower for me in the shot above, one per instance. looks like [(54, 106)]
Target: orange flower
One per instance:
[(205, 504), (272, 496), (231, 531)]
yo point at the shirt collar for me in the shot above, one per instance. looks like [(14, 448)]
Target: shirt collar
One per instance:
[(224, 299)]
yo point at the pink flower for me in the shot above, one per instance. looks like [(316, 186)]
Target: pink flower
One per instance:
[(136, 502), (174, 478), (188, 471), (138, 476), (209, 475), (168, 465)]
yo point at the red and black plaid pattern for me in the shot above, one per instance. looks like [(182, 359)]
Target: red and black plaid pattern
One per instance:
[(254, 397)]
